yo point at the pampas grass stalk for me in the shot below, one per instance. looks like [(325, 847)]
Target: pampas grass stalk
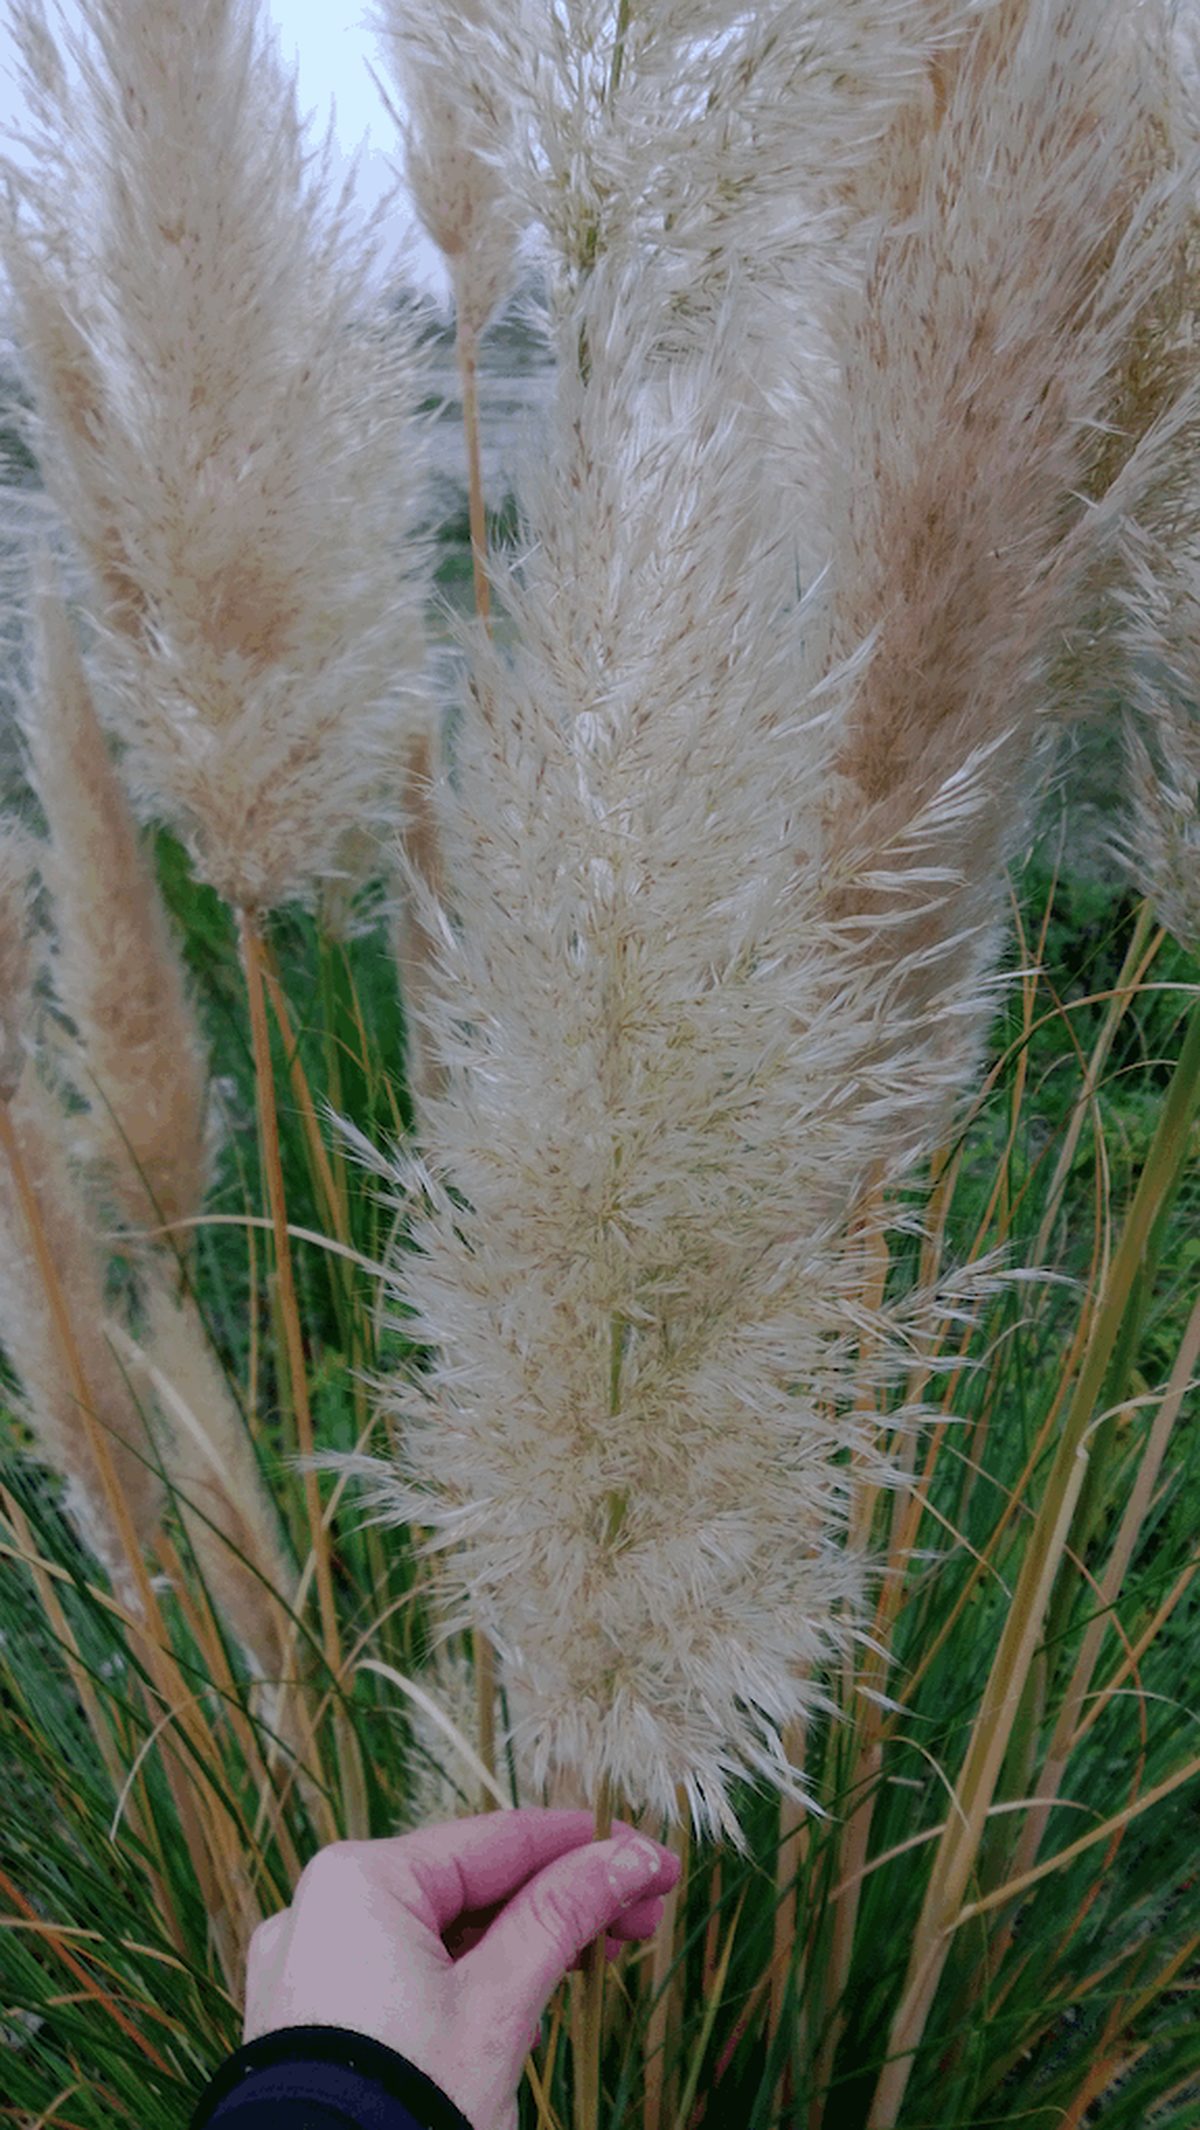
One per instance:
[(666, 1985), (962, 551), (450, 76), (986, 360), (253, 963), (52, 1310), (463, 203), (588, 1997)]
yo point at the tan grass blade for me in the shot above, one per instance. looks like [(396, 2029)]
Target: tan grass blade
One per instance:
[(457, 1733)]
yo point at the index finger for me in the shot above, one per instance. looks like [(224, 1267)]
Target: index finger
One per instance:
[(464, 1865)]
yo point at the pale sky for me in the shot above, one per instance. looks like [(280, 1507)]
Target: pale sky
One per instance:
[(326, 44)]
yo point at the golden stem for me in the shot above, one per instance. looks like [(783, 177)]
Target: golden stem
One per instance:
[(468, 370), (790, 1857), (663, 2027), (589, 1992), (253, 962), (319, 1161)]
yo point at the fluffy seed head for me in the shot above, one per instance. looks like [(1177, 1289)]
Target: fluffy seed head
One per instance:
[(32, 1343), (210, 1461), (450, 66), (234, 443), (625, 1240), (117, 971)]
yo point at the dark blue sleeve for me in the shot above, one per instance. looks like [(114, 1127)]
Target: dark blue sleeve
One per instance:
[(322, 2078)]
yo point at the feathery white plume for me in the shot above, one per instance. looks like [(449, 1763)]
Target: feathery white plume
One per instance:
[(725, 858), (32, 1342), (232, 442), (626, 1250), (453, 65)]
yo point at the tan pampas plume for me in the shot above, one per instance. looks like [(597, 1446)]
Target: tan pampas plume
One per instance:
[(116, 970), (726, 855), (453, 68), (226, 434), (984, 365), (39, 1353), (210, 1461), (65, 431), (1159, 839), (1149, 640), (623, 1248), (52, 1277)]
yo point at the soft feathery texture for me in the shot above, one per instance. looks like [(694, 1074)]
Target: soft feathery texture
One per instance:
[(724, 843), (1159, 841), (628, 1257), (32, 1343), (233, 445), (1150, 633), (977, 495), (450, 64), (141, 1063), (224, 1504)]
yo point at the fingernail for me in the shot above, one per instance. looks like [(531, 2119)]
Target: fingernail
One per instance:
[(634, 1865)]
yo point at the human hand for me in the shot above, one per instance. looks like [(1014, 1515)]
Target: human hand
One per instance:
[(448, 1944)]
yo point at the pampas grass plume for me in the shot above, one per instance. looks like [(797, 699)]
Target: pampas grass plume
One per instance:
[(975, 496), (727, 853), (116, 969), (250, 462), (209, 1458), (30, 1338), (450, 64)]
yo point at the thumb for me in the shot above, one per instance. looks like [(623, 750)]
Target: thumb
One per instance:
[(540, 1934)]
